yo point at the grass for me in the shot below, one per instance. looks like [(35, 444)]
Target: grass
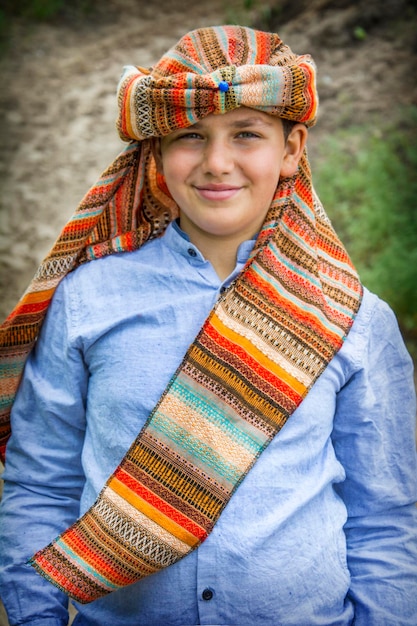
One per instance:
[(371, 198)]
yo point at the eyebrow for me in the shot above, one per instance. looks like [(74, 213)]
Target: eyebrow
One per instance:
[(252, 121), (241, 123)]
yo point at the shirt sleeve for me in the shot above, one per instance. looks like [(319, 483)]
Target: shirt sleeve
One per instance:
[(43, 475), (374, 438)]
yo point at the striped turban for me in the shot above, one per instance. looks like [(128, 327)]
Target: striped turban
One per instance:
[(216, 70)]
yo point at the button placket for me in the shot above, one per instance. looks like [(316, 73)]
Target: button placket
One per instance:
[(208, 584)]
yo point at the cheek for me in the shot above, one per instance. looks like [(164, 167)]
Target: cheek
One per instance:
[(176, 167), (266, 176)]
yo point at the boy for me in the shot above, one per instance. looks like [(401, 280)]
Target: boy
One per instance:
[(273, 479)]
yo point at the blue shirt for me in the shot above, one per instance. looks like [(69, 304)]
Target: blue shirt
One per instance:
[(321, 532)]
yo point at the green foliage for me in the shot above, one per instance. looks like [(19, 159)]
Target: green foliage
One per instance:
[(359, 33), (34, 9), (42, 9), (368, 183), (254, 13), (39, 11)]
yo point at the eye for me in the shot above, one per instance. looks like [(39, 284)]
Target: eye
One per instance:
[(248, 134), (189, 135)]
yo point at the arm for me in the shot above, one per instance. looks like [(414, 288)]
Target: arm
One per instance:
[(374, 438), (43, 475)]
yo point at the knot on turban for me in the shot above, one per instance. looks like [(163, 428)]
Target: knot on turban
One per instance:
[(216, 70)]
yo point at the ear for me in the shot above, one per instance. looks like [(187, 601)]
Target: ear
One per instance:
[(294, 148), (157, 153)]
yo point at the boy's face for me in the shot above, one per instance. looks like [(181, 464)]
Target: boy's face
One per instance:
[(223, 172)]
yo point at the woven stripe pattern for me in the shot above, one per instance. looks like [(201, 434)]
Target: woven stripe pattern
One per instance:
[(254, 68), (263, 346)]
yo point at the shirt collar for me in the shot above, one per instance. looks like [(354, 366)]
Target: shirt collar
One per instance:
[(176, 239)]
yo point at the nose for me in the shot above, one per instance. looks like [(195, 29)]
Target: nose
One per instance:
[(218, 158)]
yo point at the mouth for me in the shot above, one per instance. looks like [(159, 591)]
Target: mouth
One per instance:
[(218, 192)]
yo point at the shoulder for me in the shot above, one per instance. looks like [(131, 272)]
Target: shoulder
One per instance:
[(372, 311), (375, 331), (107, 288), (117, 262), (374, 318), (113, 274)]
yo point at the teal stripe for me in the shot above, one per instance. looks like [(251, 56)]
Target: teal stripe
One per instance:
[(118, 245), (82, 215), (11, 369), (107, 180), (292, 235), (313, 280), (253, 45), (202, 455), (6, 401), (189, 105), (221, 35), (297, 302), (85, 566), (186, 62), (306, 209), (273, 86), (295, 268), (199, 403), (332, 261)]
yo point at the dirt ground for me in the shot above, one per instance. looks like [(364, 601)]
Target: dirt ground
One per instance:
[(58, 105)]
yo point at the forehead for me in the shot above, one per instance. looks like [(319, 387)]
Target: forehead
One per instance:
[(238, 118)]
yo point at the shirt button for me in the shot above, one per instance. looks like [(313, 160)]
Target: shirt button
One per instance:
[(207, 594), (192, 252)]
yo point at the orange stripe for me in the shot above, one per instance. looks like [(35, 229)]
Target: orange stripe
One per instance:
[(146, 494), (126, 106), (39, 296), (305, 318), (157, 509), (32, 307), (256, 359), (78, 541), (255, 367), (67, 584)]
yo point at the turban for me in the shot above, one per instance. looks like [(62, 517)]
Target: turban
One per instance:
[(215, 71), (262, 347)]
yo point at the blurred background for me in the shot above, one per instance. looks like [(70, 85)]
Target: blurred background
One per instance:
[(60, 61)]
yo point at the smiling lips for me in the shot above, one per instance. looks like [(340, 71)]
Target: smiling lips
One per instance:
[(218, 192)]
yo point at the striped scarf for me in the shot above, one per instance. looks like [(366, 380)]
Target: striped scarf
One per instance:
[(261, 349)]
